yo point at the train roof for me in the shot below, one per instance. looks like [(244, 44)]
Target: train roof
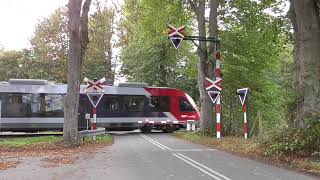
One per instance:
[(35, 86)]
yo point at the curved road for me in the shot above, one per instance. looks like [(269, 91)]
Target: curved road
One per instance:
[(157, 156)]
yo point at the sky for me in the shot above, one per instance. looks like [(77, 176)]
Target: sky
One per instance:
[(19, 17)]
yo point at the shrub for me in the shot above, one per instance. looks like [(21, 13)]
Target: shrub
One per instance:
[(288, 141)]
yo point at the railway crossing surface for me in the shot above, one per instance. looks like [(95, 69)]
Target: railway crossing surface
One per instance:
[(156, 156)]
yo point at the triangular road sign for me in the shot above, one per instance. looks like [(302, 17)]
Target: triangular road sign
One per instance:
[(242, 94), (176, 41), (214, 95), (95, 98)]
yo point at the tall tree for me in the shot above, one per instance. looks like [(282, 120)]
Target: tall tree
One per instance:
[(98, 60), (78, 31), (49, 50), (205, 66), (148, 55), (305, 19)]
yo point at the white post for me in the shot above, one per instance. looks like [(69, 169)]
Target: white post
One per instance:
[(193, 127), (87, 119), (188, 126)]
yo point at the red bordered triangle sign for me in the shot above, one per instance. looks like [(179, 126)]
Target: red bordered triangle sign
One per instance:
[(95, 98), (214, 95), (242, 94)]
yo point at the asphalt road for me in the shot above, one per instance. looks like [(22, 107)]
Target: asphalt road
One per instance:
[(156, 156)]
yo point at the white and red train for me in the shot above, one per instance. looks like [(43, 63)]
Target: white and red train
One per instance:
[(34, 105)]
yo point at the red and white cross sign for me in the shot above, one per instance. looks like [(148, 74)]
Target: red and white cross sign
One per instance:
[(213, 84), (176, 31), (94, 86)]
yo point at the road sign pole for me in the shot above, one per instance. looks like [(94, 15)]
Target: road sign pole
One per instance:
[(218, 104), (94, 124), (245, 121), (218, 113)]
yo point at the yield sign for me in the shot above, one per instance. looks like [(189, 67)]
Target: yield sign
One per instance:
[(95, 98), (214, 95), (242, 94), (176, 41), (216, 84)]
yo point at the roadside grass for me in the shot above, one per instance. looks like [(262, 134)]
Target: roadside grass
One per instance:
[(252, 148), (27, 141), (106, 138)]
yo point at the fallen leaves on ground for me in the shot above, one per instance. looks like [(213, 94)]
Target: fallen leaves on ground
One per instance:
[(55, 153), (59, 160), (8, 164)]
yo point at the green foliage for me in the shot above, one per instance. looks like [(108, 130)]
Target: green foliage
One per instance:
[(148, 55), (21, 142), (49, 52), (12, 64), (208, 132), (289, 141), (253, 52)]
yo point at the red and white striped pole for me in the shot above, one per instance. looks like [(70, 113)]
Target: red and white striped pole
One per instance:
[(245, 121), (94, 113), (218, 103)]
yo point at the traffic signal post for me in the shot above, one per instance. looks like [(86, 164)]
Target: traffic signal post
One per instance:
[(177, 35)]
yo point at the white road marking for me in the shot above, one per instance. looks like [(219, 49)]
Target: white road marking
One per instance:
[(153, 143), (203, 166), (195, 166), (156, 142), (188, 160), (187, 150)]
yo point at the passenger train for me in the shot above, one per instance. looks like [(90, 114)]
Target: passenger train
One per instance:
[(35, 105)]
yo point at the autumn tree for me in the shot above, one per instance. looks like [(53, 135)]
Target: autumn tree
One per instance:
[(49, 45), (99, 56), (78, 32)]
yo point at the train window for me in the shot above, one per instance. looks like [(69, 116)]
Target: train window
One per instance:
[(54, 103), (185, 105), (160, 103), (16, 105), (134, 103), (111, 104)]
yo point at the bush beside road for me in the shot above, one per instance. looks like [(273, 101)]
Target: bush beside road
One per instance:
[(253, 149)]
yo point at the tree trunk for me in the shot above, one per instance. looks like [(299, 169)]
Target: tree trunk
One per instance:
[(205, 68), (305, 19), (77, 46)]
